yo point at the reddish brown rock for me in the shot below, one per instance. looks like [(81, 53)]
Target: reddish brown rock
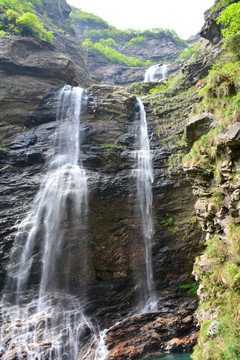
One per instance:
[(149, 335)]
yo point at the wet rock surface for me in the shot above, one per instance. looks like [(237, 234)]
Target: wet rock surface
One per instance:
[(198, 126), (116, 261), (32, 70), (151, 334)]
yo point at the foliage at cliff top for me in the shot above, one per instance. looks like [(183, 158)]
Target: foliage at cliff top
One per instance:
[(221, 3), (230, 18), (106, 49), (17, 17), (101, 29), (87, 18)]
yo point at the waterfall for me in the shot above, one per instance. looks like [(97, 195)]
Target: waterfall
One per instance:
[(156, 73), (164, 69), (144, 197), (44, 321)]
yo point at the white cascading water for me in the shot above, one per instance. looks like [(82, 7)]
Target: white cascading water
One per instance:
[(144, 194), (164, 71), (144, 198), (46, 322), (156, 73)]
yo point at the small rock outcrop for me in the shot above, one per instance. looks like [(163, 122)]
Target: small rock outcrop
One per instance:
[(198, 126), (150, 335)]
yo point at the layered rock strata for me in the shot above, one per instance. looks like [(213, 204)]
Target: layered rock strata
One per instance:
[(116, 262)]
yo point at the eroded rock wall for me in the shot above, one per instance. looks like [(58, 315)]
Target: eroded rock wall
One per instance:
[(116, 261)]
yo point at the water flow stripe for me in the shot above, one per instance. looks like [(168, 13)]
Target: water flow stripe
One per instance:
[(48, 322), (144, 192)]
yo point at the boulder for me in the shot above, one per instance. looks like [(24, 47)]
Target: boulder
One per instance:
[(231, 137), (150, 335), (198, 126)]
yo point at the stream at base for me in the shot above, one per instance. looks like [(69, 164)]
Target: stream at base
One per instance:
[(173, 357)]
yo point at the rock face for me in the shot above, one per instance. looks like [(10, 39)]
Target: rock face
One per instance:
[(116, 262), (55, 16), (211, 30), (32, 69), (198, 126), (115, 74), (150, 335), (164, 48), (216, 184), (116, 271)]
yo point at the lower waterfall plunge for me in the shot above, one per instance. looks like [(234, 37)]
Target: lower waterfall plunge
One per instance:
[(144, 180), (144, 197), (40, 318), (44, 321)]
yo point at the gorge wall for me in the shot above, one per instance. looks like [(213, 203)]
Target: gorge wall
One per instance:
[(121, 57), (32, 71), (115, 250)]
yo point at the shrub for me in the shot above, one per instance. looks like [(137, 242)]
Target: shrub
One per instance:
[(49, 37), (17, 5), (30, 25), (186, 54), (136, 41), (12, 16), (158, 88), (221, 3), (109, 42), (232, 43), (21, 20), (3, 34), (230, 17), (86, 17), (112, 55)]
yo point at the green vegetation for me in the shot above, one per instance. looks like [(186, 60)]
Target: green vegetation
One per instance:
[(221, 287), (186, 54), (204, 152), (98, 36), (128, 35), (18, 18), (107, 31), (230, 18), (191, 289), (165, 221), (221, 3), (77, 15), (111, 54), (218, 270), (158, 88), (109, 42), (136, 41)]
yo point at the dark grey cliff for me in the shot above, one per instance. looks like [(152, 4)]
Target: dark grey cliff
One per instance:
[(31, 69), (211, 29), (116, 263)]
